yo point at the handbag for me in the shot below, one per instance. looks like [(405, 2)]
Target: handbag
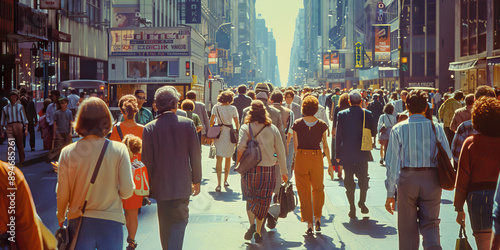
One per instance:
[(446, 172), (287, 199), (366, 139), (141, 180), (462, 243), (64, 240), (213, 132), (233, 134), (212, 152)]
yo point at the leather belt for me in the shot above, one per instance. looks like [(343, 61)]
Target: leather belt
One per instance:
[(418, 169)]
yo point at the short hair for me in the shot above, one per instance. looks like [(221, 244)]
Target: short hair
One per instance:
[(484, 91), (82, 94), (128, 105), (73, 91), (56, 93), (355, 97), (187, 105), (290, 92), (251, 94), (133, 143), (93, 118), (306, 89), (417, 101), (277, 97), (242, 89), (388, 109), (225, 97), (191, 95), (310, 106), (469, 99), (166, 98), (394, 95), (258, 113), (139, 91), (459, 95), (486, 116), (337, 89), (344, 101)]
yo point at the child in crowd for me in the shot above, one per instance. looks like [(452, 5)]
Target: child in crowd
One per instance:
[(62, 128)]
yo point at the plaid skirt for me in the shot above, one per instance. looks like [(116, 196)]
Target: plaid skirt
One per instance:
[(258, 186)]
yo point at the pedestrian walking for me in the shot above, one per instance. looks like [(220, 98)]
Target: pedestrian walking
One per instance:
[(342, 105), (462, 114), (335, 102), (129, 107), (350, 124), (288, 119), (385, 123), (329, 103), (251, 94), (188, 106), (446, 112), (322, 98), (376, 107), (400, 104), (101, 222), (15, 123), (73, 100), (62, 128), (201, 111), (32, 117), (44, 127), (51, 112), (477, 175), (308, 133), (259, 182), (174, 166), (242, 100), (411, 162), (144, 115), (225, 114)]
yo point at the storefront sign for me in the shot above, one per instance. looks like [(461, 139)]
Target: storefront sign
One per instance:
[(50, 4), (460, 66), (421, 84), (47, 55), (150, 42), (59, 36), (369, 74), (212, 56), (335, 62), (326, 59), (382, 43), (31, 22), (193, 11), (358, 58)]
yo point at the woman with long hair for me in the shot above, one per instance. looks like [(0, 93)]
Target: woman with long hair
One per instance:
[(129, 107), (226, 114), (112, 183), (259, 182), (385, 123), (308, 133), (343, 104)]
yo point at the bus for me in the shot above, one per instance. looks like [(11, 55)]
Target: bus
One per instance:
[(88, 86)]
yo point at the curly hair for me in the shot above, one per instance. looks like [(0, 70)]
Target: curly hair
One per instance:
[(133, 143), (128, 105), (486, 116), (258, 113), (225, 97), (310, 105)]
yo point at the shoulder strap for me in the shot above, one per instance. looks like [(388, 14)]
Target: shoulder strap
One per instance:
[(363, 118), (94, 175), (119, 130), (260, 130)]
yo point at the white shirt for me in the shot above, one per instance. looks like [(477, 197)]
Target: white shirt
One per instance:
[(73, 101)]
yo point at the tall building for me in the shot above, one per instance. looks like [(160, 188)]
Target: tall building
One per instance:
[(297, 68), (477, 44)]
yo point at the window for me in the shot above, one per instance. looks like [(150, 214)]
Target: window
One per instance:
[(158, 68), (136, 69), (464, 33), (431, 17), (173, 68), (418, 67), (94, 11), (431, 63), (75, 7)]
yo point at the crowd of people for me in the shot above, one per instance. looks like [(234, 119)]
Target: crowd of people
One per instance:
[(291, 127)]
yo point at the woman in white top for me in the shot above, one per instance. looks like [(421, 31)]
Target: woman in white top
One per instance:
[(385, 123), (101, 225), (225, 114)]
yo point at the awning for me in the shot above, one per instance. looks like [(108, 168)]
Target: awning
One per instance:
[(492, 61), (465, 65)]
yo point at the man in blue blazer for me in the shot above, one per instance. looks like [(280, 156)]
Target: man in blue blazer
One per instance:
[(242, 100), (172, 154), (349, 154)]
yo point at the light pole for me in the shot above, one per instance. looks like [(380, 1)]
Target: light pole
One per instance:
[(401, 44)]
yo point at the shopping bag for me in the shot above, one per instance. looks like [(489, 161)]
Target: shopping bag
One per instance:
[(462, 243)]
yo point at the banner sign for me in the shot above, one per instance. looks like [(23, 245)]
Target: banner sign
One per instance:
[(358, 59), (150, 42), (335, 62), (50, 4), (382, 43), (125, 16), (193, 11), (212, 56), (31, 22), (326, 59)]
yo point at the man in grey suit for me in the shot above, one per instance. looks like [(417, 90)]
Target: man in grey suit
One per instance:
[(171, 152), (242, 101)]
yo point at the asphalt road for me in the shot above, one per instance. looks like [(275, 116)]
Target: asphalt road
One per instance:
[(219, 221)]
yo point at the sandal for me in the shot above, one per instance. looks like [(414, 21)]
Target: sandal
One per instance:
[(132, 244), (226, 184), (217, 189)]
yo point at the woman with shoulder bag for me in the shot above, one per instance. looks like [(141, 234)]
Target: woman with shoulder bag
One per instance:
[(259, 182), (385, 124), (225, 114), (129, 107), (94, 211)]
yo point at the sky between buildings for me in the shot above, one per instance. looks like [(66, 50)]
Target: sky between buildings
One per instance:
[(280, 16)]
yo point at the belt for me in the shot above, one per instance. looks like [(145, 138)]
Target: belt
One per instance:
[(418, 169), (310, 151)]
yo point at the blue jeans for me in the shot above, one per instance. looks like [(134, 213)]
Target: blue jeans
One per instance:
[(480, 205), (97, 234)]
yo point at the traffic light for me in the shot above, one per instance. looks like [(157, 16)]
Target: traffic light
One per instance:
[(188, 67), (404, 63)]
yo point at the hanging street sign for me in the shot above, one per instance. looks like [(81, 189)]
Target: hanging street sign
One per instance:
[(358, 57)]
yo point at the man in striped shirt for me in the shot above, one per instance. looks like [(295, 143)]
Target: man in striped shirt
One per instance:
[(15, 122), (412, 165)]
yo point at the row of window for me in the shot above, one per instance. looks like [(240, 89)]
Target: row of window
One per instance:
[(150, 68)]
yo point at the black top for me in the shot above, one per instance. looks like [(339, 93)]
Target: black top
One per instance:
[(309, 137)]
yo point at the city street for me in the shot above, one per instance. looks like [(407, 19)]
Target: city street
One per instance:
[(218, 220)]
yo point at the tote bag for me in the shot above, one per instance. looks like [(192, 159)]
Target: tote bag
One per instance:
[(366, 140)]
